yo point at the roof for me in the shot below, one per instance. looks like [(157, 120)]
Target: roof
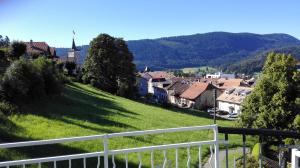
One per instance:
[(235, 96), (179, 87), (229, 83), (195, 90), (39, 47), (157, 75)]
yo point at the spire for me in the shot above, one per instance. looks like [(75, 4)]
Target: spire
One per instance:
[(73, 43), (74, 46)]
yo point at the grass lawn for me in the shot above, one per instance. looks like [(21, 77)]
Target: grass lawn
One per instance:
[(83, 110), (203, 69)]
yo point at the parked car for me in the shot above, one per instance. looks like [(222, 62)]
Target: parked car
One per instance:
[(233, 115), (221, 112), (212, 110)]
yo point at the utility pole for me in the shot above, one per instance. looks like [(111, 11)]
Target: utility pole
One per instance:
[(215, 105)]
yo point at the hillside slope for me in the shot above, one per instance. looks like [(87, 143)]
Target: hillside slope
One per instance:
[(254, 64), (83, 110), (213, 49)]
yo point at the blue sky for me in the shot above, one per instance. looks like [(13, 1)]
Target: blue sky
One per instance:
[(54, 20)]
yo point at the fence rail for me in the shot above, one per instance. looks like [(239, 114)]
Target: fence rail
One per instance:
[(107, 152)]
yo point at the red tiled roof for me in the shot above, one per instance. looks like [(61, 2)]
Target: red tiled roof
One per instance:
[(229, 83), (232, 97), (157, 75), (38, 47), (195, 90)]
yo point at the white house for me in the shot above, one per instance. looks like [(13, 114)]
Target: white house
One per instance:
[(232, 99), (220, 75), (149, 80)]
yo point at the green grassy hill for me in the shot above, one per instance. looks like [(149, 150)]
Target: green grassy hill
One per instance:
[(83, 110)]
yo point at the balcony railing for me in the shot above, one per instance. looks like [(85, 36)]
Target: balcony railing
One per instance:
[(108, 154)]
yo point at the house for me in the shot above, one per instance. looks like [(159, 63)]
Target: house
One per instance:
[(199, 95), (232, 99), (175, 90), (160, 94), (224, 84), (36, 49), (220, 75), (149, 80)]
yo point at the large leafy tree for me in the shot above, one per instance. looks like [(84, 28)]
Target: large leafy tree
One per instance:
[(109, 66), (273, 103), (125, 69)]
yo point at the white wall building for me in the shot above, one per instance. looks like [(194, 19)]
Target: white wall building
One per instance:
[(220, 75), (232, 99)]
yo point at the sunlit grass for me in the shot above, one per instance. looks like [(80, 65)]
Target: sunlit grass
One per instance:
[(83, 110)]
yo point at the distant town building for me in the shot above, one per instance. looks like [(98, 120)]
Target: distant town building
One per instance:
[(36, 49), (220, 75), (149, 80), (231, 100), (74, 54), (175, 90), (199, 96)]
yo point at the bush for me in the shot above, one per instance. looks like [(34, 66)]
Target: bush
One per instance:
[(255, 150), (70, 66), (22, 81), (27, 80), (50, 75), (251, 162), (7, 108)]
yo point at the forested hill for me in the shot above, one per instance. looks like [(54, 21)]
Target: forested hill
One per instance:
[(255, 63), (213, 49)]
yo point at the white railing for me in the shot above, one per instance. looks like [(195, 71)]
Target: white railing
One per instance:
[(107, 152), (295, 158)]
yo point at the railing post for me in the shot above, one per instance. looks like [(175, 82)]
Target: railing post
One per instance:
[(244, 151), (260, 151), (226, 139), (105, 144), (216, 147), (295, 159)]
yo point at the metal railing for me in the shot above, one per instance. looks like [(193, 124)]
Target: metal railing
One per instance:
[(107, 152), (295, 158)]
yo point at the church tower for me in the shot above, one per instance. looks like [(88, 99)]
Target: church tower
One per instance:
[(74, 53)]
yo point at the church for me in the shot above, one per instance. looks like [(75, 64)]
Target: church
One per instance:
[(74, 54)]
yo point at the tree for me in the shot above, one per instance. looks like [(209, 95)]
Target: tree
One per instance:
[(273, 102), (109, 65), (70, 66), (17, 50), (6, 42), (125, 70)]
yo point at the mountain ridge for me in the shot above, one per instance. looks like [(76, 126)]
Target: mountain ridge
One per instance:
[(214, 49)]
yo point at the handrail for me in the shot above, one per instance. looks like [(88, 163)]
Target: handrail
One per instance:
[(112, 135)]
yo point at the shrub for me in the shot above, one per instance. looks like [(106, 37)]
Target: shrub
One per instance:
[(251, 162), (22, 81), (28, 80), (50, 75), (7, 108), (70, 66), (255, 150)]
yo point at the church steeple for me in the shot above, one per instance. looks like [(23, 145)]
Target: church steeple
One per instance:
[(74, 46)]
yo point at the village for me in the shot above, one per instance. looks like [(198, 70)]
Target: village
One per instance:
[(225, 92)]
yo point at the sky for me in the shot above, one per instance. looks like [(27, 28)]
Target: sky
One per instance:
[(53, 21)]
